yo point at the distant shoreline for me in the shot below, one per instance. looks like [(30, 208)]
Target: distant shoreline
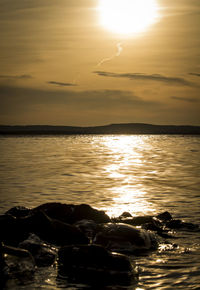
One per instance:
[(120, 129)]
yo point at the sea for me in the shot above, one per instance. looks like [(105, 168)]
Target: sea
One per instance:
[(140, 174)]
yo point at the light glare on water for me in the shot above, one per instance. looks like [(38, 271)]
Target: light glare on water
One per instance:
[(125, 157)]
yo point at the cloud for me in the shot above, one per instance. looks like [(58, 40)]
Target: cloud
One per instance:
[(13, 98), (195, 74), (190, 100), (146, 77), (61, 84), (16, 77)]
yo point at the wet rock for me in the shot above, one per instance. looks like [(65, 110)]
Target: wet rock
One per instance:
[(125, 238), (94, 265), (2, 265), (85, 211), (88, 227), (56, 210), (11, 231), (43, 254), (162, 232), (138, 220), (16, 263), (148, 223), (19, 211), (178, 224), (165, 216), (125, 214), (70, 213), (7, 226), (52, 230)]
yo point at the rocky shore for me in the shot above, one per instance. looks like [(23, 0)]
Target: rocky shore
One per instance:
[(85, 244)]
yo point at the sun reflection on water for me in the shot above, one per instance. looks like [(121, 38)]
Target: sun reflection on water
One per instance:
[(128, 193), (128, 199)]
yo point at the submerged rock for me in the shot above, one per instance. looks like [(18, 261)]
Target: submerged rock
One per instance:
[(121, 237), (94, 265), (43, 254)]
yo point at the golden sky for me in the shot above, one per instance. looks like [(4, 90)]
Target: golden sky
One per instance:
[(61, 65)]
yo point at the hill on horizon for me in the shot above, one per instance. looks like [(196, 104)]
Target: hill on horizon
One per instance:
[(123, 128)]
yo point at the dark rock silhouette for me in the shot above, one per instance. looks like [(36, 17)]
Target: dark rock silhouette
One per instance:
[(70, 213), (52, 230), (95, 265), (164, 216), (19, 211), (178, 224), (56, 210), (86, 239), (11, 230), (125, 214)]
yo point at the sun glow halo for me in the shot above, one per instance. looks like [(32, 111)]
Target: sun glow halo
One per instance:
[(127, 16)]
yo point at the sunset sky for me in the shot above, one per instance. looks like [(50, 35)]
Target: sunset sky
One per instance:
[(64, 63)]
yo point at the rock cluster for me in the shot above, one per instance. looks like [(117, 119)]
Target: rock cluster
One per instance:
[(86, 244)]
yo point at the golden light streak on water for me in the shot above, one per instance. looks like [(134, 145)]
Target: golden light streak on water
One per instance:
[(129, 194)]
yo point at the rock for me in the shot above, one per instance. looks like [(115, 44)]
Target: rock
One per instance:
[(125, 238), (19, 211), (7, 226), (178, 224), (2, 265), (158, 229), (70, 213), (85, 211), (88, 227), (125, 214), (56, 210), (94, 265), (43, 254), (165, 216), (52, 230), (17, 264), (11, 231), (15, 230), (138, 221)]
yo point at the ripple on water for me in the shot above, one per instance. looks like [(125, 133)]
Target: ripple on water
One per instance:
[(139, 174)]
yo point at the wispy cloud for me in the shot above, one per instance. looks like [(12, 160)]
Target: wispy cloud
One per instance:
[(16, 98), (15, 77), (190, 100), (194, 74), (61, 84), (146, 77)]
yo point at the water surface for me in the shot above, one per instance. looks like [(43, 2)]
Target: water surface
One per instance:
[(139, 174)]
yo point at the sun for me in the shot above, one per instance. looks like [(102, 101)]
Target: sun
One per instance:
[(127, 16)]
